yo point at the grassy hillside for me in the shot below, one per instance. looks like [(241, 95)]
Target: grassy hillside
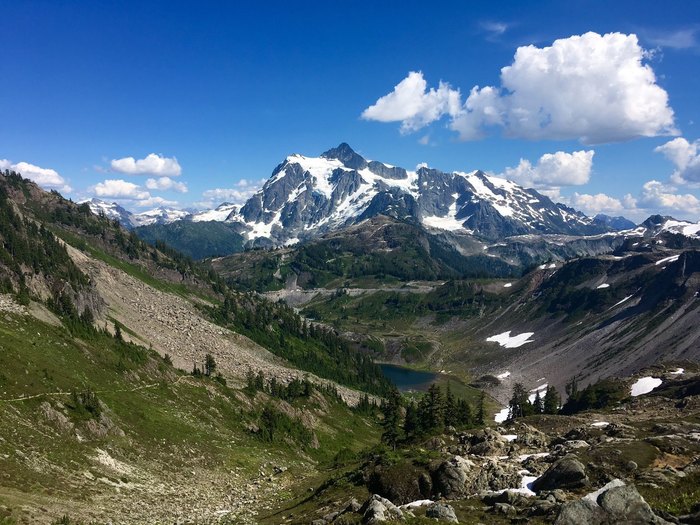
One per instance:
[(101, 421)]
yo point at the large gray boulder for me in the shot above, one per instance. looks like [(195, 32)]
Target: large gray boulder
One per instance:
[(566, 473), (378, 510), (625, 505), (442, 512), (449, 478), (581, 512), (615, 506)]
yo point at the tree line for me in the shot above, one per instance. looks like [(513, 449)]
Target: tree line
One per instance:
[(406, 421)]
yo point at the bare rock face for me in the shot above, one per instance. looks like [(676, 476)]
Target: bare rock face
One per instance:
[(567, 473)]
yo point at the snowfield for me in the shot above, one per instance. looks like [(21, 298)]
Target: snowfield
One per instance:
[(644, 385), (508, 341), (672, 258), (502, 415), (604, 285)]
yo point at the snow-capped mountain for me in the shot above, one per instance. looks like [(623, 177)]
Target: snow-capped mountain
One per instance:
[(306, 196), (159, 216), (113, 211), (219, 214)]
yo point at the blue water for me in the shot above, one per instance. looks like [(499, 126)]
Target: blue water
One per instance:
[(406, 379)]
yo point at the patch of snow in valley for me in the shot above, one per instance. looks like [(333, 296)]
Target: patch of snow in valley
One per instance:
[(417, 503), (678, 371), (502, 415), (503, 375), (604, 285), (644, 385), (508, 341), (600, 424), (524, 457), (533, 395), (507, 285), (510, 437)]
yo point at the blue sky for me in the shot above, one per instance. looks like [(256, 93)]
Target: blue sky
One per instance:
[(218, 93)]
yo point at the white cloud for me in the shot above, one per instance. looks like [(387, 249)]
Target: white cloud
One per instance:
[(412, 104), (553, 170), (151, 165), (594, 88), (119, 189), (679, 39), (244, 190), (44, 177), (661, 197), (686, 158), (493, 29), (595, 204), (165, 184), (152, 202)]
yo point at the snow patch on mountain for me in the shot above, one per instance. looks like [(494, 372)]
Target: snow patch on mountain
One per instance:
[(508, 341), (219, 214), (644, 385)]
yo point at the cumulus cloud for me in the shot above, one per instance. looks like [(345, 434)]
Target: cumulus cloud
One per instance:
[(153, 202), (119, 189), (412, 104), (686, 158), (593, 88), (553, 170), (595, 204), (165, 184), (654, 198), (658, 196), (151, 165), (243, 190), (45, 177)]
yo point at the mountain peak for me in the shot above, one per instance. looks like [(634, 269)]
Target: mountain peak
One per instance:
[(345, 154)]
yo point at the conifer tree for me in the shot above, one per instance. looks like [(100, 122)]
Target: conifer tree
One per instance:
[(392, 418), (552, 401)]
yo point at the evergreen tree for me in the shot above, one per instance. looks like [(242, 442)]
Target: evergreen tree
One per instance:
[(435, 408), (464, 413), (392, 418), (538, 405), (519, 405), (411, 425), (552, 401), (451, 417), (209, 365), (481, 412), (118, 332)]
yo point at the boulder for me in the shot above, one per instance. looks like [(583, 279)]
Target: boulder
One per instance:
[(566, 473), (619, 505), (494, 475), (580, 512), (442, 512), (530, 436), (378, 510), (626, 505), (450, 476)]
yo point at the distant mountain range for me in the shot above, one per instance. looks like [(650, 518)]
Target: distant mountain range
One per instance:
[(306, 198)]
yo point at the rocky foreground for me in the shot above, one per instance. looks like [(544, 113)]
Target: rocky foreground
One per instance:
[(637, 463)]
